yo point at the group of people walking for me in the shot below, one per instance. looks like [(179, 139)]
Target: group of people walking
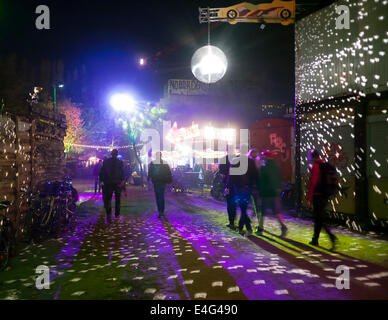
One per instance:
[(260, 184), (110, 176)]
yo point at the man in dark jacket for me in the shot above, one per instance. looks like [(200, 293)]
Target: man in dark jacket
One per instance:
[(270, 184), (241, 186), (112, 177), (230, 205), (160, 174), (96, 173), (253, 156)]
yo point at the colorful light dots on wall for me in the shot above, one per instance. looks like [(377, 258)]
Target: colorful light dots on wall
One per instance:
[(352, 63), (315, 71)]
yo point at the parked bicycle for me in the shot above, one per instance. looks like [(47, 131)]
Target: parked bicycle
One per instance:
[(218, 187), (288, 195), (7, 234), (51, 210), (68, 199), (40, 219), (178, 184)]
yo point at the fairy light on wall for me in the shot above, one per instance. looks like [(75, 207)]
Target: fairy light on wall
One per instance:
[(8, 151), (16, 156), (333, 61), (18, 149), (347, 65), (322, 131)]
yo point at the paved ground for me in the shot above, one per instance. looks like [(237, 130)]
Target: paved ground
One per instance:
[(192, 255)]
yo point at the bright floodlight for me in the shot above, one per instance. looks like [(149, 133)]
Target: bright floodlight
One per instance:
[(142, 61), (210, 133), (122, 102), (209, 64), (230, 135)]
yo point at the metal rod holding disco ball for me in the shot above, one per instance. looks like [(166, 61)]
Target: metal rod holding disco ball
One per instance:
[(209, 63)]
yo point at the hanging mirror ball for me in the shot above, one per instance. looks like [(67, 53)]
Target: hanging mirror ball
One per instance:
[(209, 64)]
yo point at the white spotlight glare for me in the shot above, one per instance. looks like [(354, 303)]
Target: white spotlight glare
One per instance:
[(122, 102)]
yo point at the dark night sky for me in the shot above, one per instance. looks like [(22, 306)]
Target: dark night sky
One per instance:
[(108, 37)]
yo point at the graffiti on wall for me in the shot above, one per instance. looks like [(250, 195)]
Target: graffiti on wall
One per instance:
[(280, 146)]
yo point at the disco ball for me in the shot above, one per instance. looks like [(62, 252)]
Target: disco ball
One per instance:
[(209, 64)]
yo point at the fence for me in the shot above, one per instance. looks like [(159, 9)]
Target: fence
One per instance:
[(31, 152)]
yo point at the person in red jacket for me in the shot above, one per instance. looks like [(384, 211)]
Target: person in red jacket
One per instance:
[(319, 199)]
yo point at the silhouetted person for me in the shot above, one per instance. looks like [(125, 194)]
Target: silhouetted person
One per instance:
[(160, 174), (319, 192), (127, 176), (270, 184), (253, 156), (112, 177), (96, 173), (241, 186), (224, 168)]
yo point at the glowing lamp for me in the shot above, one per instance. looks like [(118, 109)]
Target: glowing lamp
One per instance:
[(229, 135), (209, 64), (122, 102), (210, 133)]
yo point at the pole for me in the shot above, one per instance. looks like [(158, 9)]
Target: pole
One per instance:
[(297, 171), (360, 151), (208, 26), (208, 38), (55, 98)]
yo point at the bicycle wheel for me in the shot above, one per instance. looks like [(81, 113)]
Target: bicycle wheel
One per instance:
[(55, 219), (5, 243), (41, 230), (37, 234), (59, 217), (35, 231), (27, 226), (70, 212), (4, 253)]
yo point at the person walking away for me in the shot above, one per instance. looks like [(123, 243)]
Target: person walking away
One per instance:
[(160, 174), (96, 173), (223, 169), (322, 185), (240, 186), (127, 176), (253, 156), (100, 184), (113, 178), (270, 183)]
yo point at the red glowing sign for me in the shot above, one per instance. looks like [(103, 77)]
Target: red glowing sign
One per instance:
[(280, 146), (176, 135)]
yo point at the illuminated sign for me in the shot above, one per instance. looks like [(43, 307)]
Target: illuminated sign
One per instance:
[(176, 135), (186, 87)]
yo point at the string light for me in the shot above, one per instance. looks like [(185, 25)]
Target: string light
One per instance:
[(97, 147)]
